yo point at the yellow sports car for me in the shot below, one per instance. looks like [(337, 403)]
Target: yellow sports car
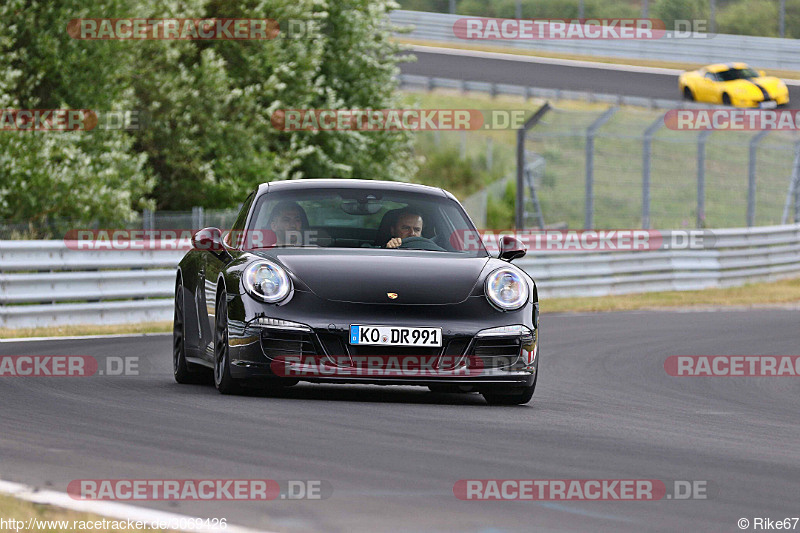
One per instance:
[(733, 84)]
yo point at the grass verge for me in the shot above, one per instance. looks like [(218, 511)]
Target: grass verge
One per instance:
[(618, 164), (57, 520), (753, 294), (87, 329)]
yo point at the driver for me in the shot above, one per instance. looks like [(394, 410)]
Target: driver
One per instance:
[(408, 224), (287, 220)]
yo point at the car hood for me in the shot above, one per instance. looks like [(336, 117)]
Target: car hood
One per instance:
[(368, 276), (770, 84)]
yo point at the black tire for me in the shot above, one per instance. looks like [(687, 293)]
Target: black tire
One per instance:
[(223, 381), (185, 373), (517, 396), (687, 94), (726, 99)]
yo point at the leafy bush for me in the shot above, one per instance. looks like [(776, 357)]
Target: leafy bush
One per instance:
[(749, 17)]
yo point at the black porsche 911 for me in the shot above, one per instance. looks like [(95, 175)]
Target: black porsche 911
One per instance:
[(355, 281)]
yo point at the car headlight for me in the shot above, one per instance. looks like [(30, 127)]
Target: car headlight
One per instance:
[(267, 282), (506, 289)]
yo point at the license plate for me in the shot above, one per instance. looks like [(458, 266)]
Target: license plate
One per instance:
[(395, 336), (772, 104)]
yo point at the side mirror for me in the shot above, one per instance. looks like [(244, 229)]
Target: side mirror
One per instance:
[(762, 73), (511, 248), (208, 239)]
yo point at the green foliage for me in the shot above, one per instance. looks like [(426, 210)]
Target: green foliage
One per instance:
[(671, 10), (84, 176), (208, 138), (444, 167), (750, 17), (500, 211)]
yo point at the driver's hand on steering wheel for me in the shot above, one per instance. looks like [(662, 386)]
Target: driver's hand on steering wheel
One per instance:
[(395, 242)]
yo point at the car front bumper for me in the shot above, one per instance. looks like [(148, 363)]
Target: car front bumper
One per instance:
[(310, 343)]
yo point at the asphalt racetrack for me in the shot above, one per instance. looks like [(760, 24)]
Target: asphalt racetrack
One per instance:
[(604, 409), (554, 76)]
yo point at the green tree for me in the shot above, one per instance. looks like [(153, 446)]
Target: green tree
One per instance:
[(750, 17), (212, 137), (672, 10), (80, 175), (209, 136)]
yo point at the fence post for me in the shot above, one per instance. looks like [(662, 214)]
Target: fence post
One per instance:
[(198, 218), (463, 144), (751, 178), (793, 194), (713, 17), (519, 215), (646, 149), (148, 220), (590, 131), (701, 177)]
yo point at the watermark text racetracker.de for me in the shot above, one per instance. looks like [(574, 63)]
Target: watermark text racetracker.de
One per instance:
[(733, 119), (733, 365), (90, 240), (68, 366), (192, 29), (579, 489), (632, 240), (62, 120), (199, 489), (363, 119), (481, 28)]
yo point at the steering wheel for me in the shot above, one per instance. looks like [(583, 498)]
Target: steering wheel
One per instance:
[(420, 243)]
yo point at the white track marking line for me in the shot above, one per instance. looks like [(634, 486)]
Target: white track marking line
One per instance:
[(84, 337), (118, 511)]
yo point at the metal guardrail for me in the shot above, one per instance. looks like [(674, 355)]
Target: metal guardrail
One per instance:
[(763, 52), (43, 283)]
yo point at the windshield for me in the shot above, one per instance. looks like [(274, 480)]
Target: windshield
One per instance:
[(359, 218), (737, 74)]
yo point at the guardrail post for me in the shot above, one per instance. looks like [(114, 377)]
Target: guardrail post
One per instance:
[(701, 177), (519, 216), (590, 132), (646, 150), (751, 178)]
